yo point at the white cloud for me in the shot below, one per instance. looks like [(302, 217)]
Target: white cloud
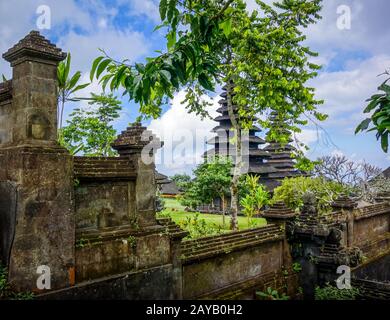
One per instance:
[(118, 44), (146, 8), (309, 136), (345, 92), (184, 135)]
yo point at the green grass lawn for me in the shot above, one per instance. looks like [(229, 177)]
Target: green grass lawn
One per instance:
[(176, 211)]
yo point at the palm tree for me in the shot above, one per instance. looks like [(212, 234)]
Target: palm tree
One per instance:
[(67, 86)]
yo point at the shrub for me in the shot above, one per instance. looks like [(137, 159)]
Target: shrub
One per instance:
[(255, 198), (271, 294), (198, 227), (330, 292), (292, 190), (5, 290)]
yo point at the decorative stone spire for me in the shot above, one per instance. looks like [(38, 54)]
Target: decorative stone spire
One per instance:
[(36, 46), (344, 202), (279, 213), (279, 210), (134, 139)]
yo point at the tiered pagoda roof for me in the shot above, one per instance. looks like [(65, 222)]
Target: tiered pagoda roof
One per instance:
[(281, 154), (251, 142)]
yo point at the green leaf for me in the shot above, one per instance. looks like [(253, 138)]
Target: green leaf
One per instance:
[(179, 69), (67, 66), (163, 9), (205, 82), (166, 75), (171, 10), (171, 40), (363, 125), (385, 141), (102, 66), (119, 75), (226, 27), (80, 87), (94, 66), (73, 81), (371, 106)]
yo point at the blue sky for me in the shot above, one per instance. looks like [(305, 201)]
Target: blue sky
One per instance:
[(351, 61)]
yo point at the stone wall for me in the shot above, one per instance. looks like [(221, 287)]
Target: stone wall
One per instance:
[(87, 219), (236, 265)]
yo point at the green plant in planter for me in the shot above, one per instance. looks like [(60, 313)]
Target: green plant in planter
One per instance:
[(271, 294)]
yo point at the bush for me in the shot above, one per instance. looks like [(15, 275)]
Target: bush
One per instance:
[(5, 290), (255, 198), (198, 227), (271, 294), (330, 292), (292, 190)]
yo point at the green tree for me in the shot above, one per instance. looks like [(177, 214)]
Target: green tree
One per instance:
[(67, 86), (259, 56), (255, 199), (212, 180), (90, 130), (183, 181), (379, 106)]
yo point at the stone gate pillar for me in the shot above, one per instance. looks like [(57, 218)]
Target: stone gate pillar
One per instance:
[(140, 145), (41, 170)]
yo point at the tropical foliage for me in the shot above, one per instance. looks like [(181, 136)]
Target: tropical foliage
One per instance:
[(255, 199), (67, 86), (183, 181), (330, 292), (292, 190), (379, 121), (90, 130)]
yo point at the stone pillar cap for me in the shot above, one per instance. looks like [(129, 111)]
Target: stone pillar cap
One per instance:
[(34, 45), (344, 202), (136, 137), (279, 210)]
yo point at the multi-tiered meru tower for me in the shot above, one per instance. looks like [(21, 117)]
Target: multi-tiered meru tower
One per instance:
[(255, 159), (281, 155)]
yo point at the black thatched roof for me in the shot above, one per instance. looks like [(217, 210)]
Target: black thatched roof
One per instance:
[(170, 188), (386, 173)]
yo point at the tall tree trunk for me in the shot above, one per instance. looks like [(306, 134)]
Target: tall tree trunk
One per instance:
[(238, 158)]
